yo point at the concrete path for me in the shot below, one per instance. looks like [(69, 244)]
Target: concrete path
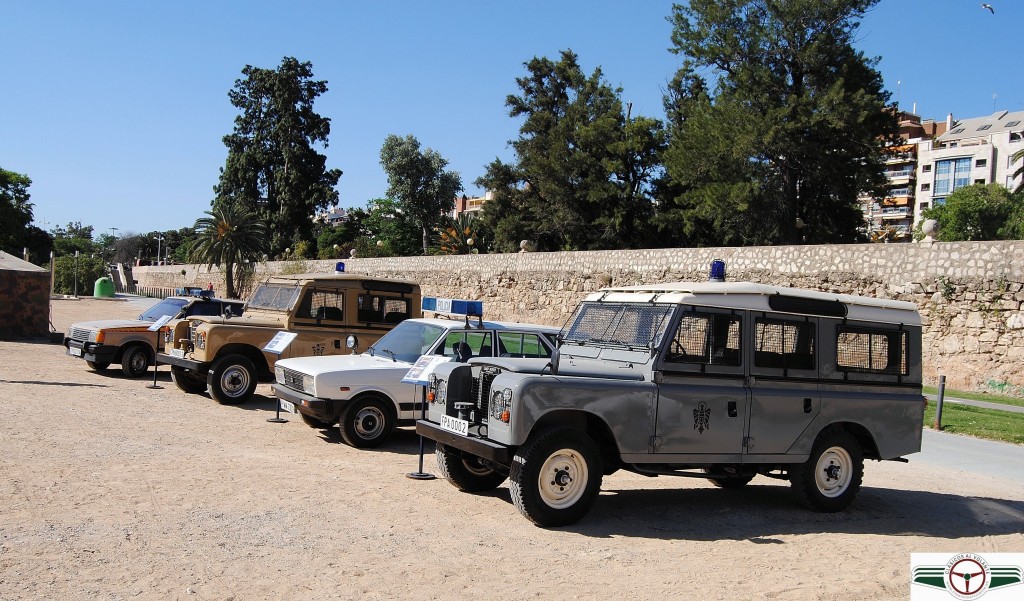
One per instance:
[(974, 455), (973, 403)]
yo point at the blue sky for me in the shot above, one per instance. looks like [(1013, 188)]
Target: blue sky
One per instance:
[(116, 110)]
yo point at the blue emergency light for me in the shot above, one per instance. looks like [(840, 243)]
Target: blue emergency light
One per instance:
[(717, 271), (453, 306)]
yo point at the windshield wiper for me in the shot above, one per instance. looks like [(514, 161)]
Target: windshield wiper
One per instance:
[(390, 352)]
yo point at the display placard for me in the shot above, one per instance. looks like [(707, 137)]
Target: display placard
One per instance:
[(280, 342), (424, 366), (159, 323)]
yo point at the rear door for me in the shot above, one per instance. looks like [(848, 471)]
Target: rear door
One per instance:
[(783, 356), (702, 396)]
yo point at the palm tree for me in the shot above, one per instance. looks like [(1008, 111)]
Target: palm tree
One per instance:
[(231, 235)]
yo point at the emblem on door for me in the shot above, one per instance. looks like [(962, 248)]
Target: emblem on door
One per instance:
[(701, 417)]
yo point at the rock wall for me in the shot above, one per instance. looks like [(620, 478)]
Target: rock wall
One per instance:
[(970, 293), (24, 304)]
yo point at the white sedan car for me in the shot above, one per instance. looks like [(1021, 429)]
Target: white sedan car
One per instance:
[(364, 394)]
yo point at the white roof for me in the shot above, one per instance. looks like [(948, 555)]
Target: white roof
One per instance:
[(460, 323), (752, 296), (9, 262)]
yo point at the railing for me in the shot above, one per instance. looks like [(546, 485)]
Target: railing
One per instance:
[(899, 174)]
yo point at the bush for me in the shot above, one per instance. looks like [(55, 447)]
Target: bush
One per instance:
[(89, 270)]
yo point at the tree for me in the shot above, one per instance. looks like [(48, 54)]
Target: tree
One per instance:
[(16, 229), (273, 168), (792, 127), (232, 236), (387, 230), (75, 238), (584, 167), (459, 235), (977, 212), (418, 181)]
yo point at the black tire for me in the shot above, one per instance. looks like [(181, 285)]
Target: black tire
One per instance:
[(366, 423), (467, 474), (233, 380), (187, 381), (831, 477), (737, 480), (97, 365), (556, 476), (313, 422), (135, 361)]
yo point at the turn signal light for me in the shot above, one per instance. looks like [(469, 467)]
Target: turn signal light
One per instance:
[(505, 416)]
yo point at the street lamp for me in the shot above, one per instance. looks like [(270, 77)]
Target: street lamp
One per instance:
[(76, 274), (159, 239)]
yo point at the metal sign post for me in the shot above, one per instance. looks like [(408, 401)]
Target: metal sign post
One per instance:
[(277, 345), (419, 374), (156, 327)]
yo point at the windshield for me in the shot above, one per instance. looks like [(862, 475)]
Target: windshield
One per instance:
[(407, 341), (634, 325), (168, 306), (274, 297)]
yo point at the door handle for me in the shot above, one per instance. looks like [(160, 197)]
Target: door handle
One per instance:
[(732, 409), (807, 405)]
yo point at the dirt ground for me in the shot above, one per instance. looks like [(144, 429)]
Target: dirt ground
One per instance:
[(112, 490)]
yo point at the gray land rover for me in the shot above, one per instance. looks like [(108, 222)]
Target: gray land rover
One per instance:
[(716, 380)]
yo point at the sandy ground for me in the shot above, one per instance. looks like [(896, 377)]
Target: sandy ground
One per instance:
[(112, 490)]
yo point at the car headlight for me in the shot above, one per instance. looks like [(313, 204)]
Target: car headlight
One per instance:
[(201, 340), (279, 374), (501, 405), (168, 335), (307, 385)]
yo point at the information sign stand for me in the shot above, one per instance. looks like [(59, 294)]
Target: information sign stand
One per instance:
[(157, 325), (277, 345), (419, 374)]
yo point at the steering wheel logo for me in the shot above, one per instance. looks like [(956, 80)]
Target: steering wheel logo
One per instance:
[(967, 576)]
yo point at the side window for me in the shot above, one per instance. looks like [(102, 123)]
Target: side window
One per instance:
[(519, 344), (706, 338), (784, 344), (868, 350), (382, 309), (205, 309), (479, 343), (323, 305)]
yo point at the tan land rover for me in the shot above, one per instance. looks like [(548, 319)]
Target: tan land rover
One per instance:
[(226, 357)]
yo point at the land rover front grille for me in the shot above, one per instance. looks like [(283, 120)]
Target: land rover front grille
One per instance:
[(81, 334), (482, 389)]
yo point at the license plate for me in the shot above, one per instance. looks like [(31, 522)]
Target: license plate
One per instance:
[(454, 424), (75, 351), (287, 406), (177, 352)]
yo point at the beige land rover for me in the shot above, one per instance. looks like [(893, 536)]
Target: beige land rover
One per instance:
[(227, 356)]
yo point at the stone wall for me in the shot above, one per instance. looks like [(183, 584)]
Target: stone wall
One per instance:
[(970, 293), (24, 304)]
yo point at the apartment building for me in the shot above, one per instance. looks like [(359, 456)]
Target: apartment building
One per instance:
[(467, 204), (891, 218), (971, 151)]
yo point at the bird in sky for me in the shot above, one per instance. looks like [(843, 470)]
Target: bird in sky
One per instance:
[(989, 7)]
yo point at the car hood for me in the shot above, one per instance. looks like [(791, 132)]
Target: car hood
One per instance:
[(111, 324), (318, 366)]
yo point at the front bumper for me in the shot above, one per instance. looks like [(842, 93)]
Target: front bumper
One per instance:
[(498, 453), (90, 351), (196, 366), (321, 409)]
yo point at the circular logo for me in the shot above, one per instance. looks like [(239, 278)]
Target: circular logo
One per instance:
[(967, 576)]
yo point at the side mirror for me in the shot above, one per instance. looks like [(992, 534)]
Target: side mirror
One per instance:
[(227, 311), (556, 356), (352, 343)]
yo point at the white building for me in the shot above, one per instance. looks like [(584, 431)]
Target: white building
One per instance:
[(972, 151), (334, 217)]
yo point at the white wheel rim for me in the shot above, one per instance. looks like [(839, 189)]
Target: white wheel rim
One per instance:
[(234, 381), (369, 423), (563, 479), (473, 466), (833, 472)]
